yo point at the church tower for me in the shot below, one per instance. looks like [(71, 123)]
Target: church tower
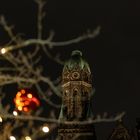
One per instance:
[(76, 98)]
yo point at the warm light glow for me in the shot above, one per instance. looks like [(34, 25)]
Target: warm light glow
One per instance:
[(18, 94), (45, 129), (28, 138), (15, 113), (36, 101), (23, 91), (17, 101), (12, 138), (25, 109), (3, 51), (29, 95), (27, 103), (26, 100), (1, 120), (20, 108)]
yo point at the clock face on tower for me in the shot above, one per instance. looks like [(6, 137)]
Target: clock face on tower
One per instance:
[(68, 75), (75, 75)]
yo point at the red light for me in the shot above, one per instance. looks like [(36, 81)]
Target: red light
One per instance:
[(26, 100)]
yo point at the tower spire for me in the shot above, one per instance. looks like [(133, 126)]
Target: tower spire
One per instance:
[(76, 96)]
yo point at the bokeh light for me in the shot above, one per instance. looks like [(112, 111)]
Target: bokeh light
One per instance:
[(26, 100), (1, 120), (3, 51), (28, 138), (45, 129), (12, 138), (15, 113)]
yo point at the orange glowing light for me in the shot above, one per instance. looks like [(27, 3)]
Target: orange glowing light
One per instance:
[(29, 95), (18, 94), (17, 101), (25, 109), (20, 108), (23, 91), (26, 100)]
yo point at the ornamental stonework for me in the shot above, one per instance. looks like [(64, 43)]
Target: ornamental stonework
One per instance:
[(76, 98)]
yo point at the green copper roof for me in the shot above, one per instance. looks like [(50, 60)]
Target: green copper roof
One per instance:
[(76, 60)]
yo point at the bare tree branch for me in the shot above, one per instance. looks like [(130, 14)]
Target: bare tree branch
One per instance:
[(22, 67), (40, 16), (50, 43), (50, 120)]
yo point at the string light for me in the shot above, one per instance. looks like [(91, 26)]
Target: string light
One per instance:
[(45, 129), (29, 95), (19, 108), (3, 51), (28, 138), (15, 113), (26, 100), (1, 120), (12, 138)]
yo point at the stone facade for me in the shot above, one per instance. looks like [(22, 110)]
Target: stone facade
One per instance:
[(76, 98), (76, 108)]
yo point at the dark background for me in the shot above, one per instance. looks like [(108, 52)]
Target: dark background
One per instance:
[(113, 56)]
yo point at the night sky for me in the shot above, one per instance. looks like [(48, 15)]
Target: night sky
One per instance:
[(113, 56)]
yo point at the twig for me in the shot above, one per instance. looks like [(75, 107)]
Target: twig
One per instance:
[(8, 29), (51, 44), (40, 16), (50, 120)]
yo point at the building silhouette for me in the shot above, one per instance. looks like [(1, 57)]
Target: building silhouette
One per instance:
[(76, 108), (76, 98)]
